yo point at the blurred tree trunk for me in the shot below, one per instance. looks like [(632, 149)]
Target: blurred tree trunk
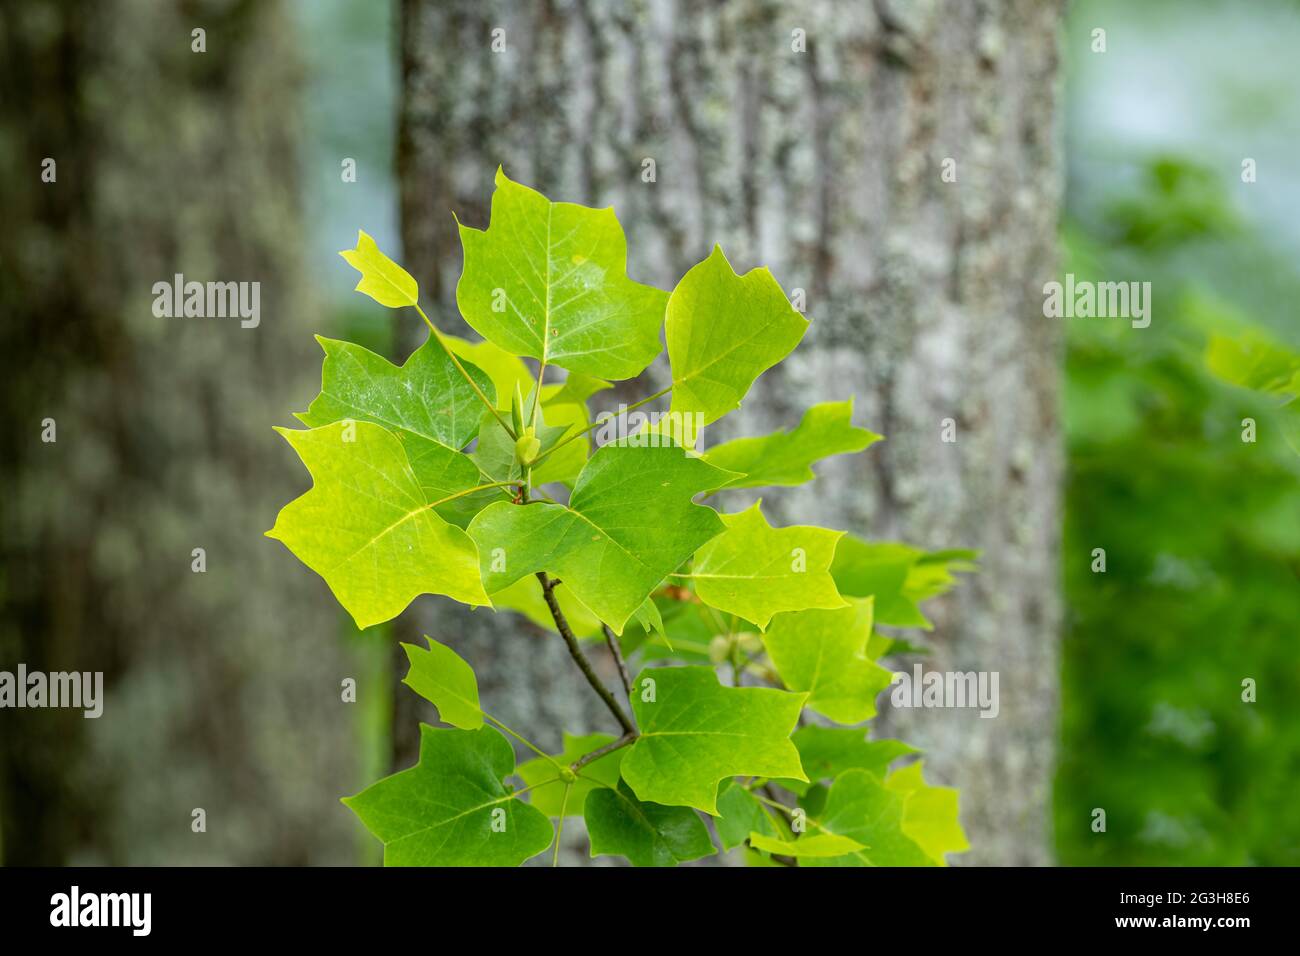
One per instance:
[(811, 137), (222, 688)]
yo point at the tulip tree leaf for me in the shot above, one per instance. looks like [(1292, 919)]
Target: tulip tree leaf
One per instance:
[(756, 571), (812, 845), (629, 523), (648, 834), (929, 813), (694, 733), (381, 278), (548, 280), (823, 652), (426, 396), (786, 457), (723, 331), (441, 676), (451, 808), (547, 793), (861, 808), (366, 526), (899, 576)]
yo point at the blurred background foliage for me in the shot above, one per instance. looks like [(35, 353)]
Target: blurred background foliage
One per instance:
[(1201, 529)]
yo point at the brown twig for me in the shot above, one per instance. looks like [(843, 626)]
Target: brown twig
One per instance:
[(579, 658), (599, 752), (616, 649)]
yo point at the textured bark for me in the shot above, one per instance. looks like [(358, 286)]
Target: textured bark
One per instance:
[(824, 165), (222, 688)]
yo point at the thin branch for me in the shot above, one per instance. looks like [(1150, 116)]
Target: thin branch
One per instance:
[(584, 665), (616, 649), (599, 752)]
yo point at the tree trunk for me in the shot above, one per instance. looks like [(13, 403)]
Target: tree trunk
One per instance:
[(223, 687), (812, 138)]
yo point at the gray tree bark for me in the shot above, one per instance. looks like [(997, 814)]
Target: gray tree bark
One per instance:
[(222, 688), (823, 162)]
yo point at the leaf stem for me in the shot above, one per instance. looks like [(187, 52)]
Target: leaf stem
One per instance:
[(491, 407), (524, 740), (559, 829), (579, 658)]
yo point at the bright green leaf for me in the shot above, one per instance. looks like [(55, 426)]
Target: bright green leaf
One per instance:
[(549, 281), (899, 576), (381, 278), (723, 331), (812, 845), (823, 652), (930, 815), (426, 396), (756, 571), (648, 834), (366, 526), (694, 732), (786, 458), (861, 808), (442, 677), (629, 523), (451, 808)]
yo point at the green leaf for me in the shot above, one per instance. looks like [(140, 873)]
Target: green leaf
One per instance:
[(824, 653), (425, 397), (648, 834), (861, 808), (549, 796), (930, 815), (451, 808), (786, 458), (381, 278), (812, 845), (694, 732), (549, 281), (827, 752), (442, 677), (723, 331), (756, 571), (899, 576), (629, 523), (740, 814), (366, 526)]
